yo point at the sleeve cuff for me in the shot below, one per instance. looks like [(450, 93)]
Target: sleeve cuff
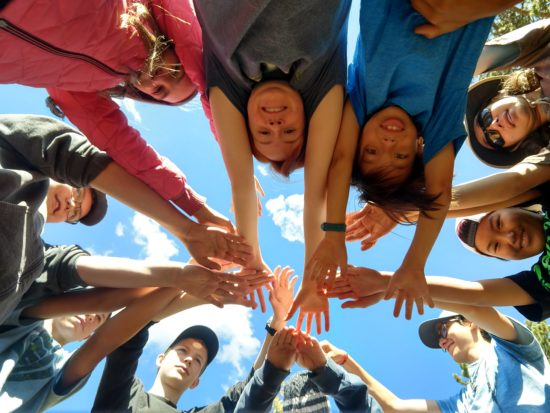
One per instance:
[(189, 201), (328, 377)]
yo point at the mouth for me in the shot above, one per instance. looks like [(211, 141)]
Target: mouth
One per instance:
[(81, 321), (393, 125), (274, 109), (182, 370), (524, 239)]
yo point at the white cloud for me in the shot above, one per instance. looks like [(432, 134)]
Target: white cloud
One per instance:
[(232, 324), (193, 106), (288, 214), (130, 106), (120, 229), (263, 170), (156, 244)]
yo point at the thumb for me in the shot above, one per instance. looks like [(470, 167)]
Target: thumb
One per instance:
[(205, 262), (293, 309), (429, 31)]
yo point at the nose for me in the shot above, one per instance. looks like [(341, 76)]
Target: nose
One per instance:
[(388, 140), (275, 122), (511, 238), (443, 342)]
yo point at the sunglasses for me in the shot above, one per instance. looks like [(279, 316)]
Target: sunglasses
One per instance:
[(444, 330), (492, 137), (75, 211)]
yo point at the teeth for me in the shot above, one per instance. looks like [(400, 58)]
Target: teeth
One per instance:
[(274, 110), (392, 128)]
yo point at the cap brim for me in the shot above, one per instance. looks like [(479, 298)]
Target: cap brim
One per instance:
[(206, 335), (98, 209), (428, 330)]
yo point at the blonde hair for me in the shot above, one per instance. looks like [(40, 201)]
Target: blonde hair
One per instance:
[(520, 82), (139, 18)]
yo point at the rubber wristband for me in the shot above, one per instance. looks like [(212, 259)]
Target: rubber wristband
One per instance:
[(326, 226), (270, 330), (344, 359)]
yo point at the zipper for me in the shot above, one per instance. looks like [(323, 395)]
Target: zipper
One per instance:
[(29, 38)]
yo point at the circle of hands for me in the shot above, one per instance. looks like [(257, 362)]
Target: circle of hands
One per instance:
[(217, 249)]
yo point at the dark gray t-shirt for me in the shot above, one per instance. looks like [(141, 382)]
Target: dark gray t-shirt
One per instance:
[(302, 42)]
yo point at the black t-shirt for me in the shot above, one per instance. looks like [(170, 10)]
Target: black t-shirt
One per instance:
[(121, 391)]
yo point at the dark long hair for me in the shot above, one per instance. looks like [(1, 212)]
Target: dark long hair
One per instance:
[(395, 199)]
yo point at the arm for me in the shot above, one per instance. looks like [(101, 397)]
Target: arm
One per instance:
[(237, 155), (201, 242), (387, 400), (409, 279), (447, 15), (331, 252), (260, 391), (95, 300), (500, 187), (114, 333), (106, 126)]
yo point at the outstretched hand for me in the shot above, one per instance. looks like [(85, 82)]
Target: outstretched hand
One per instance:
[(368, 225), (212, 218), (310, 355), (282, 351), (362, 286), (409, 286), (208, 285), (330, 255), (281, 292), (313, 305), (204, 243)]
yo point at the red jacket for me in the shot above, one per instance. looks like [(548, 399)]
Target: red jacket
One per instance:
[(35, 37)]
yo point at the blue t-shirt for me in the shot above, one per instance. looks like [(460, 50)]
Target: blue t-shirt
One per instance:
[(428, 78), (509, 378), (31, 363)]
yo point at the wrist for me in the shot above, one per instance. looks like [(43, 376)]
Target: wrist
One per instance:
[(343, 359), (333, 227), (277, 323)]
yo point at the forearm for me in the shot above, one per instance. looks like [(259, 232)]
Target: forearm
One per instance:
[(277, 323), (499, 187), (237, 156), (117, 272), (95, 300), (129, 190), (322, 139), (261, 390), (181, 302), (114, 333)]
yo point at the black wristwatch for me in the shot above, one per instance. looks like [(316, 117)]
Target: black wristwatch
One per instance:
[(270, 330)]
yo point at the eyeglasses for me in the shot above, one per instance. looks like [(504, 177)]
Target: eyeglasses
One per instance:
[(443, 329), (492, 137), (75, 210)]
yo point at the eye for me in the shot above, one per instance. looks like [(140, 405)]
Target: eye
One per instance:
[(497, 247), (370, 151), (289, 131), (263, 132), (499, 223), (401, 156)]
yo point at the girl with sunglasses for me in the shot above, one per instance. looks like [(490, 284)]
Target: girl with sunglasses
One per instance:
[(85, 53)]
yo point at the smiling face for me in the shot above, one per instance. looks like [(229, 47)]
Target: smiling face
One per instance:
[(169, 83), (389, 143), (181, 366), (461, 340), (510, 233), (62, 203), (76, 328), (511, 118), (276, 120)]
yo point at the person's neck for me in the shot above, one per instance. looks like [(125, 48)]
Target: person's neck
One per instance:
[(477, 352), (166, 392), (49, 326)]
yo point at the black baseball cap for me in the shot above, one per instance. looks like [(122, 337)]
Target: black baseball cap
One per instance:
[(98, 209), (206, 335)]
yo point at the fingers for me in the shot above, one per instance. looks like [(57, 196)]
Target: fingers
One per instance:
[(292, 311), (326, 313), (398, 303), (299, 321), (367, 244), (207, 263), (309, 322), (318, 322), (212, 300), (292, 283), (261, 297), (363, 302)]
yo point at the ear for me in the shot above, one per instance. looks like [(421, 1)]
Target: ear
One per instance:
[(160, 359), (419, 145), (195, 383)]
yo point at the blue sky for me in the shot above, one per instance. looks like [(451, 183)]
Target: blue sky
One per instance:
[(387, 348)]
